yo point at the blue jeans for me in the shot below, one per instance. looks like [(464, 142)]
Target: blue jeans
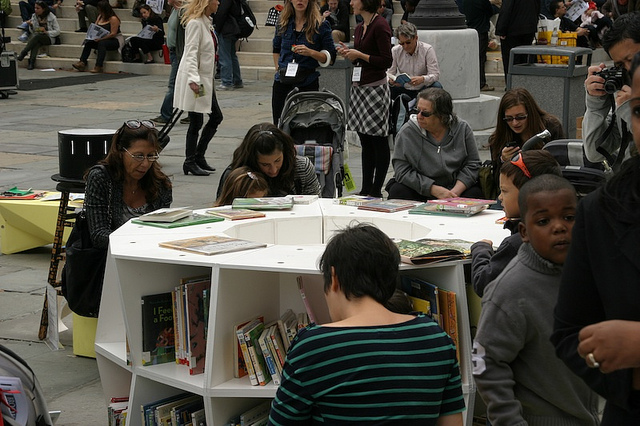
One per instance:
[(166, 110), (229, 65)]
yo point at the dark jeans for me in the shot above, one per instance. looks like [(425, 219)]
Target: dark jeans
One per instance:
[(27, 8), (35, 42), (197, 148), (399, 90), (400, 191), (166, 110), (375, 163), (279, 95), (228, 59), (146, 45), (509, 43), (483, 45), (102, 46)]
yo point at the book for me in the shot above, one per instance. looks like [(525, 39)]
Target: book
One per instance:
[(304, 199), (276, 339), (272, 328), (421, 289), (163, 411), (268, 357), (194, 219), (148, 410), (402, 79), (236, 214), (388, 206), (252, 415), (16, 403), (165, 215), (244, 348), (354, 200), (288, 326), (196, 320), (212, 244), (453, 206), (181, 413), (198, 417), (266, 203), (257, 359), (158, 341), (449, 316), (311, 289), (240, 369), (428, 250)]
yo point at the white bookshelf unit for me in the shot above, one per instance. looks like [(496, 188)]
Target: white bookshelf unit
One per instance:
[(245, 284)]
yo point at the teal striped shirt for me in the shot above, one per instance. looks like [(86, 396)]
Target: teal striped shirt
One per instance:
[(397, 374)]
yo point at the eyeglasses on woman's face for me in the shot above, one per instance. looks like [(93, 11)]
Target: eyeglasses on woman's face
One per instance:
[(520, 117), (140, 157)]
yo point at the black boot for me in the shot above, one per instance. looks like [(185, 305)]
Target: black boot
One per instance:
[(190, 166), (205, 137), (21, 56), (32, 62), (202, 163)]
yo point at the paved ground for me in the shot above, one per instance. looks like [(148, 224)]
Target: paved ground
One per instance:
[(29, 122)]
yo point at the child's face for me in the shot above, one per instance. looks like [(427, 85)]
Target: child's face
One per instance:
[(509, 197), (635, 107), (548, 223)]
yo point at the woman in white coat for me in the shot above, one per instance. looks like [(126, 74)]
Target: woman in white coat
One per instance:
[(194, 83)]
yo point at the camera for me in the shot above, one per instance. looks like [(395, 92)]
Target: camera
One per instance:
[(613, 79)]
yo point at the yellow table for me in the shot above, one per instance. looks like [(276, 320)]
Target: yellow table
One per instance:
[(27, 224)]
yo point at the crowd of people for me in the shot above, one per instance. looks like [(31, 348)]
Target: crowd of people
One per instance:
[(560, 318)]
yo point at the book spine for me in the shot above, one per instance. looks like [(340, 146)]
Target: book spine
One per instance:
[(266, 353), (278, 345), (256, 365), (307, 306), (247, 358)]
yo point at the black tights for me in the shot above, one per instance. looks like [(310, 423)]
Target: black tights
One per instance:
[(375, 163)]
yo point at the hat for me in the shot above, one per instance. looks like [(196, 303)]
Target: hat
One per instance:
[(592, 5)]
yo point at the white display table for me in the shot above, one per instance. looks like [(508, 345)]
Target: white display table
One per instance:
[(246, 284)]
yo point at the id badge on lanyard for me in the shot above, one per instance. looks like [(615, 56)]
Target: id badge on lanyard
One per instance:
[(292, 69), (357, 73)]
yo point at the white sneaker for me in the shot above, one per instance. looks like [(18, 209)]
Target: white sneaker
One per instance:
[(24, 37), (43, 55)]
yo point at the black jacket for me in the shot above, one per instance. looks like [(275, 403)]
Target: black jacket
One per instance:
[(518, 17), (225, 18), (478, 13)]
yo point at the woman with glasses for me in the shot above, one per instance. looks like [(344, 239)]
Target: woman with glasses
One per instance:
[(519, 118), (435, 154), (194, 90), (127, 183)]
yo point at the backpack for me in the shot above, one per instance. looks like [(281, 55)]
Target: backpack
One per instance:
[(128, 53), (246, 20)]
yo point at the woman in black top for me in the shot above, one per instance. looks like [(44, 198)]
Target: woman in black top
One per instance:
[(149, 18), (108, 20)]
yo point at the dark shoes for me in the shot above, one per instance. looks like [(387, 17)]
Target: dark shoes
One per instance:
[(21, 56), (202, 163), (193, 168), (487, 88), (80, 66), (81, 30)]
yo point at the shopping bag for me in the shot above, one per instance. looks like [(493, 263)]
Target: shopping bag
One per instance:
[(546, 28), (273, 16)]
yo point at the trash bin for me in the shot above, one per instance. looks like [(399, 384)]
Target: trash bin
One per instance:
[(558, 87)]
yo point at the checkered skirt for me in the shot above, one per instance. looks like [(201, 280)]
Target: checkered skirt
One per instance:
[(369, 109)]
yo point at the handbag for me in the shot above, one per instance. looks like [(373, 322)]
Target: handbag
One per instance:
[(300, 77), (83, 271), (273, 16)]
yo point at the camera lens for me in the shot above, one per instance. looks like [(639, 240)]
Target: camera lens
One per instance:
[(611, 86)]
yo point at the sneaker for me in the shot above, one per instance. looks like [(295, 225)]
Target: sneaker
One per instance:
[(81, 30), (238, 86), (24, 26), (24, 37), (487, 88), (185, 120), (160, 120), (223, 87), (43, 55)]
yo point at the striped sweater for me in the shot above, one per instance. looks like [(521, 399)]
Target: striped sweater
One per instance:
[(397, 374)]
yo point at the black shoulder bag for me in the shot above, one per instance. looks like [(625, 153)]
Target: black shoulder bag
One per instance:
[(83, 271)]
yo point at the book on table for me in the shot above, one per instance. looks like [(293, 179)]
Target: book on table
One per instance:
[(355, 200), (192, 219), (431, 250), (266, 203), (236, 214), (388, 206), (212, 244), (158, 339), (304, 199), (165, 215), (458, 206)]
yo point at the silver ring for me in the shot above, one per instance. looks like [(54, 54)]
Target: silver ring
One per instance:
[(592, 361)]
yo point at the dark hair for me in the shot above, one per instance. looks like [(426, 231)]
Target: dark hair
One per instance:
[(124, 137), (441, 102), (542, 183), (554, 6), (370, 6), (148, 8), (503, 133), (399, 302), (45, 7), (365, 262), (105, 9), (626, 26), (538, 162), (265, 139), (239, 183)]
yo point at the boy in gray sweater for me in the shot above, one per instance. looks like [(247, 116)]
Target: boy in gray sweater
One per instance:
[(515, 367)]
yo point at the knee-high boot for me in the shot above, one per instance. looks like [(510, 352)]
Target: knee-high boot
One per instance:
[(205, 137), (190, 165)]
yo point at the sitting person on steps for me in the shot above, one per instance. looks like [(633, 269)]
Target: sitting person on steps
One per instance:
[(27, 9), (150, 18), (87, 10), (44, 32)]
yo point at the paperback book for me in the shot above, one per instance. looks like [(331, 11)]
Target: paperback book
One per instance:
[(266, 203), (158, 340), (210, 245), (196, 322), (193, 219), (453, 206), (304, 199), (355, 200), (429, 250), (418, 288), (388, 206), (165, 215), (236, 214)]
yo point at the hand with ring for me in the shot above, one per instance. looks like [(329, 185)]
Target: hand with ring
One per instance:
[(611, 345), (591, 361)]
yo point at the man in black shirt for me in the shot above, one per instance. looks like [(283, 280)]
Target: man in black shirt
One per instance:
[(558, 10)]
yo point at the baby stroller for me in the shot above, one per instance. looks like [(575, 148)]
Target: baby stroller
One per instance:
[(584, 175), (317, 122)]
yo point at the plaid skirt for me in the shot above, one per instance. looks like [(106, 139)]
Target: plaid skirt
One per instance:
[(369, 109)]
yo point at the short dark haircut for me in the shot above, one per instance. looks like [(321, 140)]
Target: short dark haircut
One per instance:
[(365, 261), (555, 5), (625, 26), (538, 162), (543, 183), (370, 6)]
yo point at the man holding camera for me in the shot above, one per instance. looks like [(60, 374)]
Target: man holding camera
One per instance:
[(607, 138)]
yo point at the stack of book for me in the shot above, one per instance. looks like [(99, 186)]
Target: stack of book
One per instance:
[(256, 416), (388, 206), (458, 206), (267, 203), (181, 410), (117, 411)]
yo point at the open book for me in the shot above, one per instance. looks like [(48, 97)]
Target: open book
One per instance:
[(429, 250), (402, 79)]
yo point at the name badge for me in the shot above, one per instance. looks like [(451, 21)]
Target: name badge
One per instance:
[(292, 69), (357, 73)]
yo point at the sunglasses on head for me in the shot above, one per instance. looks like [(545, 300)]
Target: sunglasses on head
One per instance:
[(136, 124), (509, 118), (518, 161)]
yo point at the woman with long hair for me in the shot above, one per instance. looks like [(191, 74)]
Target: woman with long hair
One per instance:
[(108, 20), (370, 97), (44, 30), (150, 18), (519, 118), (194, 91), (268, 149), (130, 184), (302, 43)]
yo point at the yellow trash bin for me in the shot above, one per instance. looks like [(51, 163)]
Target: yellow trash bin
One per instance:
[(84, 336)]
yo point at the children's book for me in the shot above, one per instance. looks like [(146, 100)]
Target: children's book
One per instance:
[(210, 245), (257, 359), (236, 214), (193, 219), (148, 411), (196, 320), (252, 415), (288, 326), (311, 289), (270, 362), (244, 349), (304, 199), (158, 341), (165, 215), (163, 411), (276, 339), (354, 200), (418, 288), (241, 369), (198, 417), (266, 203), (449, 316), (458, 206), (388, 206), (428, 250)]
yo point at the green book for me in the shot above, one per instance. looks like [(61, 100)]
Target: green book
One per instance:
[(194, 219)]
